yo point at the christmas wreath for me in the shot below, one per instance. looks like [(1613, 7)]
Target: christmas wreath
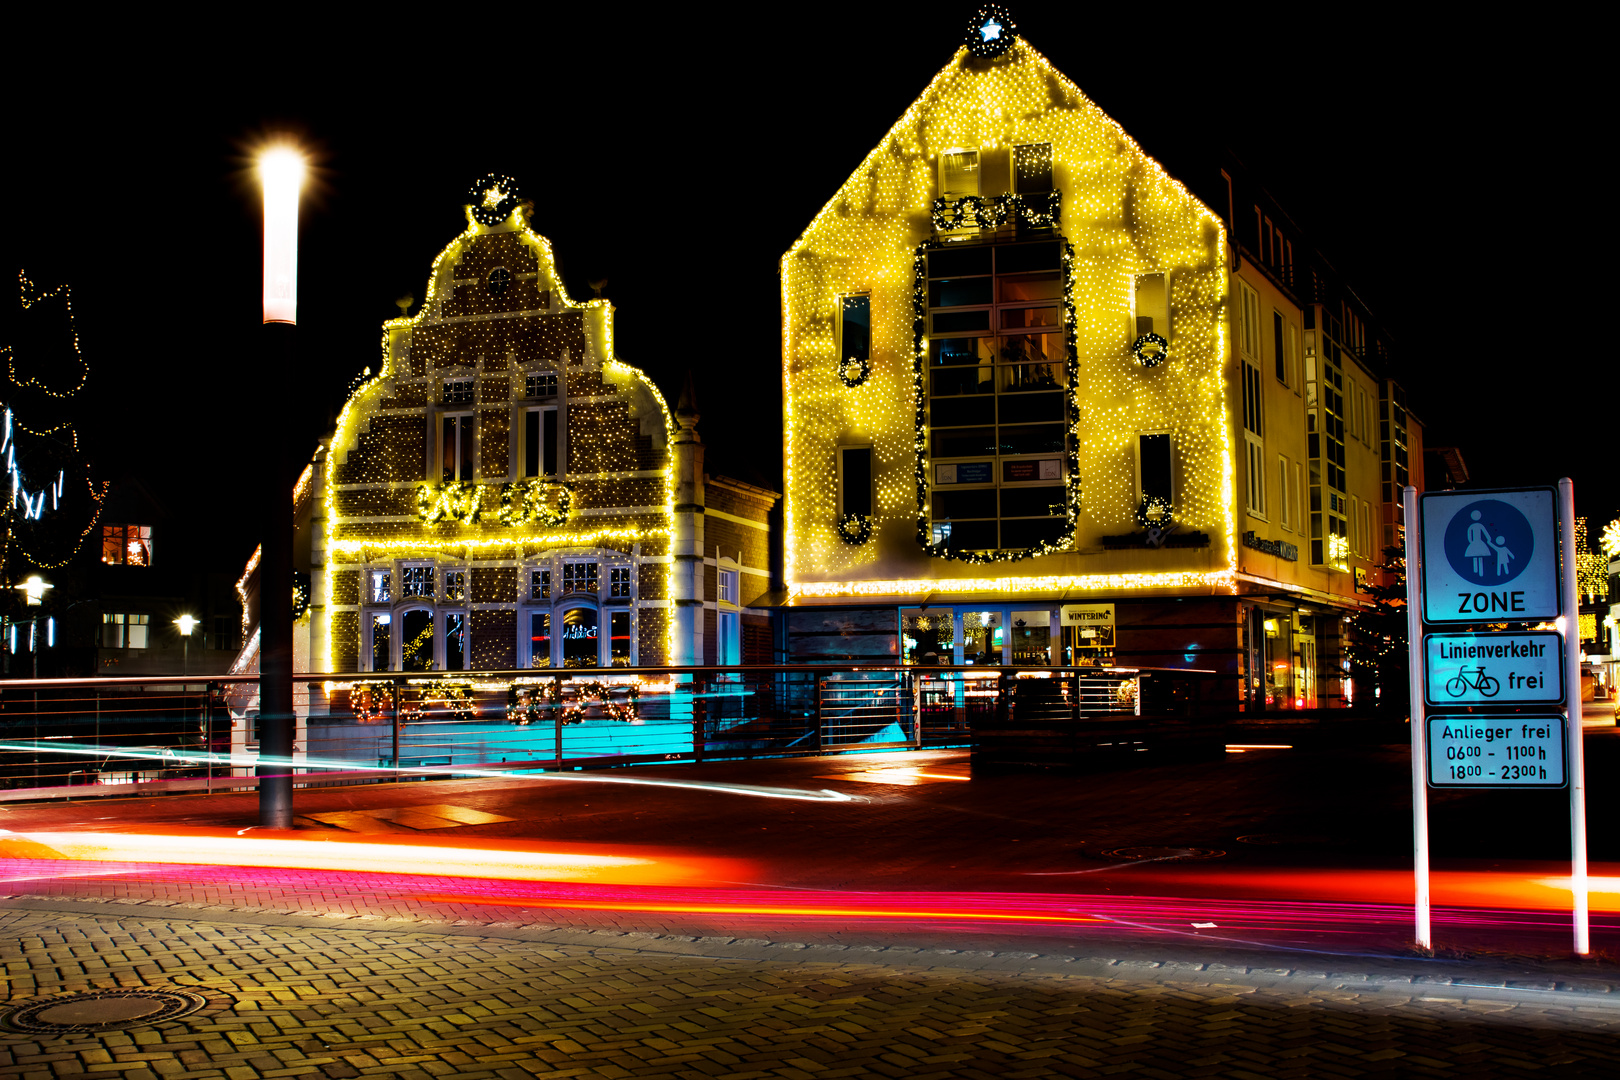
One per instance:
[(854, 371), (948, 214), (855, 528), (1151, 349), (1153, 512), (493, 198)]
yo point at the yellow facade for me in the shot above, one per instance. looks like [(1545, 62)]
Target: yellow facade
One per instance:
[(1123, 219)]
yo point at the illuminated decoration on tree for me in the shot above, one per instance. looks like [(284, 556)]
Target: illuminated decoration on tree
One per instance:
[(1124, 217), (1591, 568), (990, 32), (45, 506), (1611, 540), (384, 499), (1151, 349)]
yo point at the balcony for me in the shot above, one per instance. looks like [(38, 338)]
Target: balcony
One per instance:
[(1007, 213)]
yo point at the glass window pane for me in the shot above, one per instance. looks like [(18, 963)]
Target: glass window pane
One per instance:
[(1022, 258), (972, 536), (416, 641), (960, 292), (955, 322), (455, 642), (1017, 378), (961, 350), (856, 328), (857, 481), (959, 173), (531, 443), (1027, 408), (1033, 348), (981, 637), (1018, 318), (1030, 287), (963, 380), (963, 442), (1032, 168), (619, 628), (974, 503), (1034, 502), (580, 638), (1155, 451), (927, 637), (963, 411), (959, 261), (380, 627), (540, 639), (1027, 532), (1032, 439)]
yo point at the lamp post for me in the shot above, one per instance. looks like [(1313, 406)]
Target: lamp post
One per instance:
[(34, 590), (281, 172), (186, 624)]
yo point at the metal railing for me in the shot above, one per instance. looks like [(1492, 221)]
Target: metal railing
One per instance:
[(81, 737)]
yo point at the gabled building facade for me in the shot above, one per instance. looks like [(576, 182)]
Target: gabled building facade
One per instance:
[(1040, 411)]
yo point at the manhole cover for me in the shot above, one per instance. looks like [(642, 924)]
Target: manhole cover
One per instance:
[(1282, 839), (103, 1010), (1163, 853)]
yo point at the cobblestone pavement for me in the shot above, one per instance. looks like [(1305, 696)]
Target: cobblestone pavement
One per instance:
[(491, 1001)]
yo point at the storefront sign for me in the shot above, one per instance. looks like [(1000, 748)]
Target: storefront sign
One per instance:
[(969, 472), (1279, 548), (1043, 469), (1092, 615)]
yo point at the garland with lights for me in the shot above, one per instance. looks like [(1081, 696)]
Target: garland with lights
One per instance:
[(990, 32), (527, 702), (855, 528), (542, 501), (454, 698), (1039, 210), (853, 371), (493, 198), (370, 701), (1161, 349), (1071, 452)]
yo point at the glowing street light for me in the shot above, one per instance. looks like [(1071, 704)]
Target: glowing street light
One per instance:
[(281, 171), (186, 624)]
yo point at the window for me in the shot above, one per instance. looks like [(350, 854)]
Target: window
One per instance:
[(499, 278), (416, 645), (619, 582), (540, 442), (126, 545), (540, 639), (581, 639), (455, 641), (958, 173), (540, 384), (1253, 418), (121, 631), (619, 638), (1152, 305), (998, 397), (382, 587), (854, 329), (1285, 512), (1248, 322), (456, 449), (381, 625), (579, 577), (458, 391), (1032, 168), (1367, 522), (855, 481), (1153, 455), (728, 646), (539, 584), (727, 580), (416, 581), (1279, 347), (455, 585)]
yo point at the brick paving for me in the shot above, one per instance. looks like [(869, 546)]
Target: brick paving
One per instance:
[(465, 1002)]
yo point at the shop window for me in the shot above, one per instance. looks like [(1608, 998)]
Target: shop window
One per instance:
[(126, 545), (855, 481), (455, 585), (382, 587), (619, 638), (927, 637), (381, 627), (981, 637), (458, 391), (540, 384), (1032, 168), (455, 641), (456, 448), (416, 581), (539, 639), (539, 584), (416, 641), (579, 577), (540, 442), (619, 582), (1031, 643), (581, 642)]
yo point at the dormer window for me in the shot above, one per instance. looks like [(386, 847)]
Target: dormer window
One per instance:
[(541, 384), (458, 391)]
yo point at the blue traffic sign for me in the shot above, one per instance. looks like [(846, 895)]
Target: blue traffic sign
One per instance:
[(1490, 556)]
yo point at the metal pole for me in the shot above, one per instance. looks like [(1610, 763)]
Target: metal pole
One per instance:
[(394, 689), (1420, 756), (275, 607), (1575, 754)]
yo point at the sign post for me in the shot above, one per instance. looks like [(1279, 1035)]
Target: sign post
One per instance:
[(1477, 560)]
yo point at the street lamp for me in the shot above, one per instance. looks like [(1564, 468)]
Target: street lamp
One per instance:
[(34, 589), (281, 171), (186, 624)]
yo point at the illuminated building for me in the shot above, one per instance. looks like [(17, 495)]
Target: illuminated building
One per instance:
[(502, 492), (1045, 405)]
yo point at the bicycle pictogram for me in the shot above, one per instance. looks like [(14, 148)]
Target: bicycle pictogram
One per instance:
[(1481, 682)]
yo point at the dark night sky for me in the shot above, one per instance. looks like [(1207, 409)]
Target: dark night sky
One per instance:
[(681, 160)]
